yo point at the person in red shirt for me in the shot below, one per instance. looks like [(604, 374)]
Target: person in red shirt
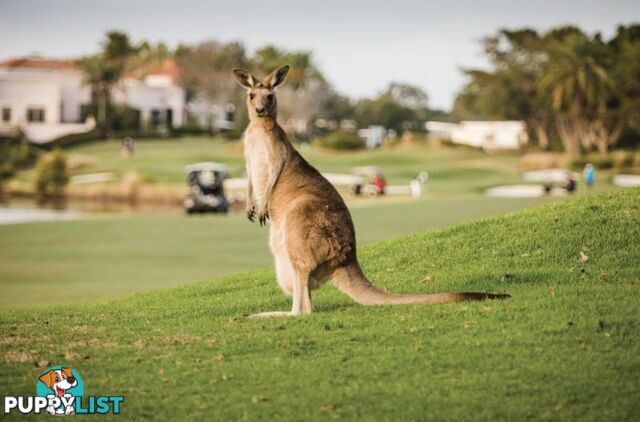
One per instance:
[(379, 183)]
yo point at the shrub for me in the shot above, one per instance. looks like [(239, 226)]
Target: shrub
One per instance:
[(121, 117), (341, 141), (545, 160), (602, 161), (124, 118), (636, 160), (51, 173), (191, 128), (232, 134), (73, 139), (15, 154), (623, 159)]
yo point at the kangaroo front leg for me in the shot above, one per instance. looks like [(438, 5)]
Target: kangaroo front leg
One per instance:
[(274, 173), (250, 208)]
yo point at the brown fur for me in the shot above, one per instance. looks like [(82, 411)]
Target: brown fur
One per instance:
[(312, 235)]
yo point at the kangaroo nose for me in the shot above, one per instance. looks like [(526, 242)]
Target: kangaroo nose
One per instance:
[(259, 110)]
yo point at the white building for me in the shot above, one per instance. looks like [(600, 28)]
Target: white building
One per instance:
[(208, 114), (44, 98), (488, 135), (41, 97), (156, 95)]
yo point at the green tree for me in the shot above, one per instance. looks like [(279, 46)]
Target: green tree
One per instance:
[(625, 76), (104, 70), (206, 74), (399, 107), (51, 173), (307, 96), (303, 70), (583, 88), (511, 89), (147, 56), (578, 83), (15, 154)]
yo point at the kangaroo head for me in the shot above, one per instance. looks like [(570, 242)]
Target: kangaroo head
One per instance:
[(261, 97)]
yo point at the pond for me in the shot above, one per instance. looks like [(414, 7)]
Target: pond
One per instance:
[(24, 214), (22, 210)]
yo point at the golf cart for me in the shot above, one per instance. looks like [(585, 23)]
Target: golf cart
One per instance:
[(368, 180), (205, 188)]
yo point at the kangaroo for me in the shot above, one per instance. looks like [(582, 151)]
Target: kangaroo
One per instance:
[(312, 237)]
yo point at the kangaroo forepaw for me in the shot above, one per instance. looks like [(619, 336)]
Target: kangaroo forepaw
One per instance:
[(263, 216), (251, 213)]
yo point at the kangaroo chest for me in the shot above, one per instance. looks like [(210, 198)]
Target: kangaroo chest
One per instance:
[(260, 160)]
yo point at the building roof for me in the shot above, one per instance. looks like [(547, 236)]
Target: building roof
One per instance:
[(168, 68), (39, 63)]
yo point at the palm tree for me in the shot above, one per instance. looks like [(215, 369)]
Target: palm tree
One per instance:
[(303, 69), (577, 82), (104, 70)]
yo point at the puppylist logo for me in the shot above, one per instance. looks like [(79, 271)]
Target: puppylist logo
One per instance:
[(60, 391)]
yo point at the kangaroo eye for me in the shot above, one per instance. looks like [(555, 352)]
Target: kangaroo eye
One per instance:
[(252, 96), (270, 97)]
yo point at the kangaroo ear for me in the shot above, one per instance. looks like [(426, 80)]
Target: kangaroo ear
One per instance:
[(277, 77), (244, 78), (47, 379)]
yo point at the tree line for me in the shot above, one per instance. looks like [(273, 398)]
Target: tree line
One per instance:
[(205, 70), (576, 92)]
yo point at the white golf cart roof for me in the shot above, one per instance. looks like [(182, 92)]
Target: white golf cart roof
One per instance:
[(206, 166), (366, 171)]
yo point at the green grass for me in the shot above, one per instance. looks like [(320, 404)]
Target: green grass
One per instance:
[(110, 256), (565, 347), (114, 255), (163, 161)]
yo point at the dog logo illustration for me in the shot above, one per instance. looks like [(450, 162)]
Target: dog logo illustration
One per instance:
[(61, 383), (60, 391)]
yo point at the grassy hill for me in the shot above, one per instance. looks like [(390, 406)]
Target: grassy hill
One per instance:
[(566, 346)]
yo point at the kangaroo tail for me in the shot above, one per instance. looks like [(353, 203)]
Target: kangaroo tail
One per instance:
[(352, 281)]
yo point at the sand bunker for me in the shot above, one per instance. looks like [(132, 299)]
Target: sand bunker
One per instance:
[(626, 180), (515, 191)]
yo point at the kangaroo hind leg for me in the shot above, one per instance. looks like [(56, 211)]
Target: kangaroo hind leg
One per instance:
[(295, 282)]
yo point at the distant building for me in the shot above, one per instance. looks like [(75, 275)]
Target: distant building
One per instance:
[(441, 130), (156, 95), (373, 135), (488, 135), (42, 98), (209, 114)]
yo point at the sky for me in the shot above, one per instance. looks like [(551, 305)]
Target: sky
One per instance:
[(359, 45)]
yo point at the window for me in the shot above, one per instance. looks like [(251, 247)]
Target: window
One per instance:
[(155, 118), (6, 114), (35, 115)]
